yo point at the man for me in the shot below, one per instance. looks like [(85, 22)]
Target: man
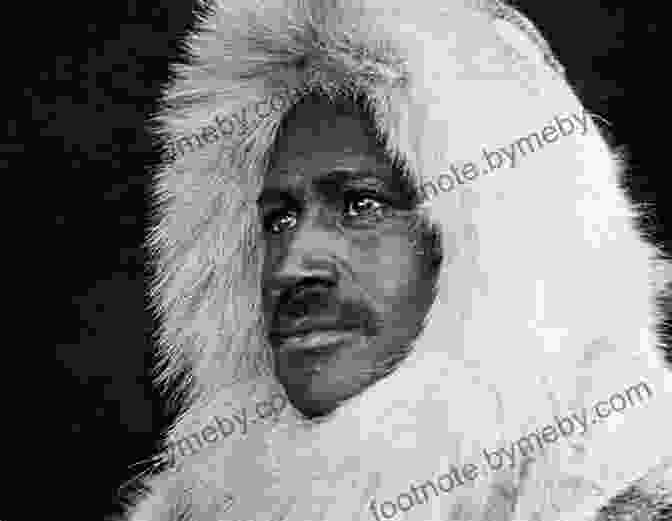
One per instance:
[(408, 207)]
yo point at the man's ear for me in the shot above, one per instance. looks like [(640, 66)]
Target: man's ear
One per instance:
[(523, 36)]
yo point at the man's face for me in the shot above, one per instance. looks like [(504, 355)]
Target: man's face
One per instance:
[(348, 275)]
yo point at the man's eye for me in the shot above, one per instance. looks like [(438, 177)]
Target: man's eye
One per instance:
[(360, 204), (279, 221)]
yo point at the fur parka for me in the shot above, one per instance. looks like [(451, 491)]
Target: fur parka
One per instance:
[(545, 316)]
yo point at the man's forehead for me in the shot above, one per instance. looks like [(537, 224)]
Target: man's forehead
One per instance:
[(319, 113), (322, 126), (322, 141)]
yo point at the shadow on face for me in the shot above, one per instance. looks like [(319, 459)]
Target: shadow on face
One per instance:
[(350, 266)]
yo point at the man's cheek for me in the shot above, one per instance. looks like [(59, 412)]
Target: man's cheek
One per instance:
[(365, 245), (396, 234), (385, 274)]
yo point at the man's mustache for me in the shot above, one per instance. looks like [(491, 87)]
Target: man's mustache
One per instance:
[(320, 303)]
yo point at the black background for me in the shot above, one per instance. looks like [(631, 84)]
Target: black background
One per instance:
[(100, 70)]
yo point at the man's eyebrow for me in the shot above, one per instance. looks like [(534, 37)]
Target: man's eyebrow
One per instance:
[(398, 185), (269, 195), (336, 180), (328, 184)]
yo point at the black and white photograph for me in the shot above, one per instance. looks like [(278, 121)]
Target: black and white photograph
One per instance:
[(486, 339)]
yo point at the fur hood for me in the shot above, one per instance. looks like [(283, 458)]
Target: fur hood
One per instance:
[(546, 299)]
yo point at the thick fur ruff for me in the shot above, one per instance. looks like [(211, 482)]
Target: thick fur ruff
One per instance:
[(545, 301)]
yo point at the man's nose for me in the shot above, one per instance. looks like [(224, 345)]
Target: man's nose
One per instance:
[(312, 260)]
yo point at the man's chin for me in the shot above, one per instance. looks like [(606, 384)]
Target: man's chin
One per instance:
[(319, 378), (315, 382), (309, 385)]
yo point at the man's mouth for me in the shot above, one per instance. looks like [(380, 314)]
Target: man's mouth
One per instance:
[(321, 340)]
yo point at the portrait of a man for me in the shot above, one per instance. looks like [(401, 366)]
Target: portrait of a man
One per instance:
[(484, 350)]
